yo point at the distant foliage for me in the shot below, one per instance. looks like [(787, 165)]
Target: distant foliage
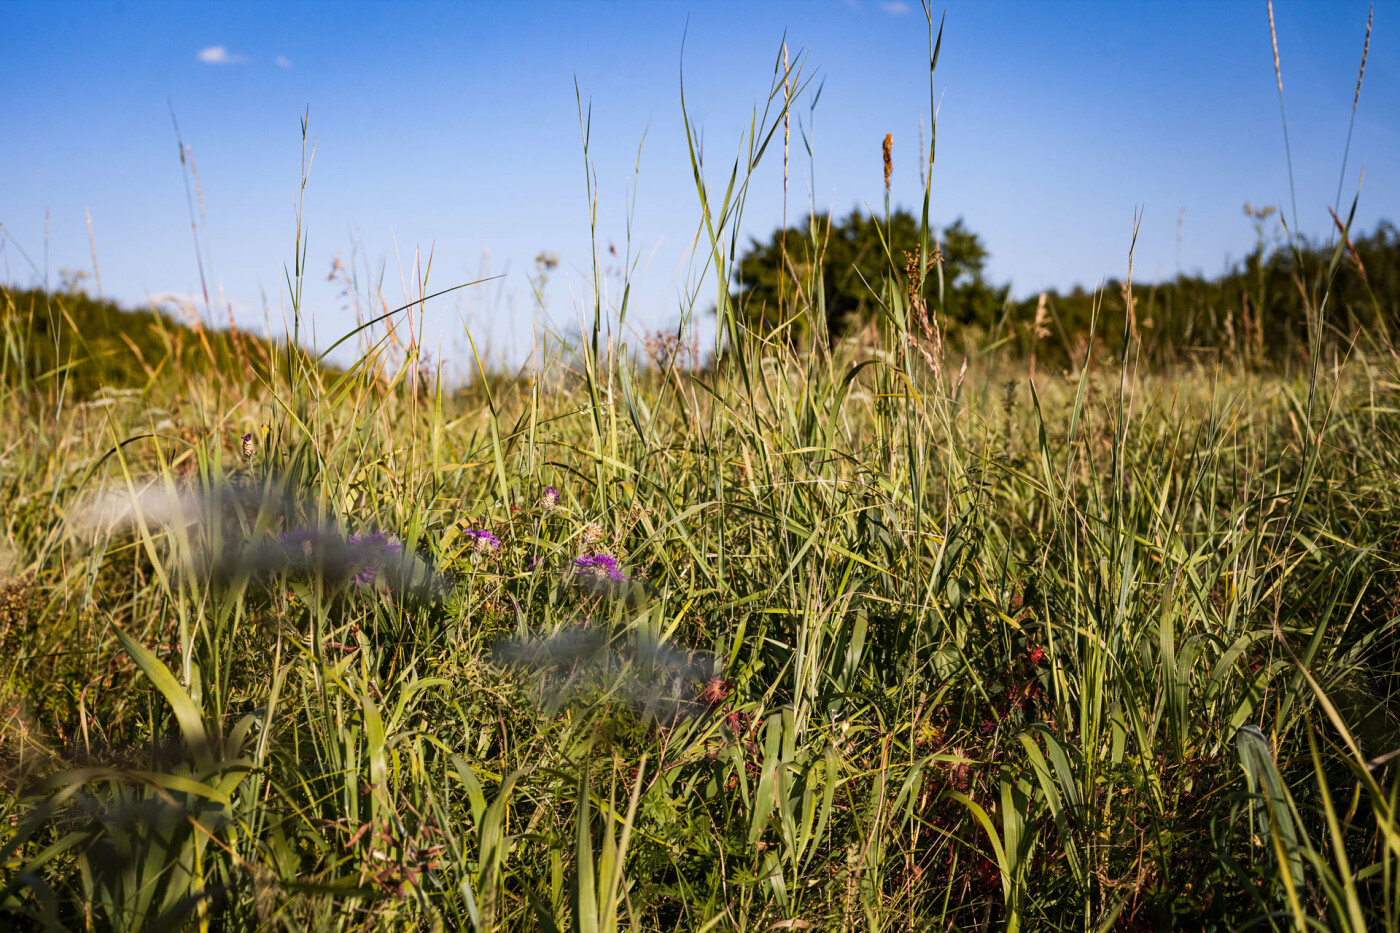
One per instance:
[(840, 272), (89, 345), (1255, 312)]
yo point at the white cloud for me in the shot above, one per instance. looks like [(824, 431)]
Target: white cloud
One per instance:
[(218, 55), (895, 7), (282, 61)]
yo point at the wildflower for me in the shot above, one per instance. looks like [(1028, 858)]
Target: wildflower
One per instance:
[(598, 568), (713, 691), (592, 534), (298, 540), (480, 541), (550, 500), (1036, 654), (247, 447), (369, 551), (737, 722), (960, 770)]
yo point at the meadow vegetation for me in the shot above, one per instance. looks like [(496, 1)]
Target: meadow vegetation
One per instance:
[(847, 631), (90, 346)]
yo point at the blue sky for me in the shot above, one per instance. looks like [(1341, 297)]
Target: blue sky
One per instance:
[(453, 127)]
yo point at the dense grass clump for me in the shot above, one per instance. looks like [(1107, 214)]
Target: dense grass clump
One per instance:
[(852, 634)]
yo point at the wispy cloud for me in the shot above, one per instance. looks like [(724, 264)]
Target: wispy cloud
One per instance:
[(282, 61), (895, 7), (218, 55)]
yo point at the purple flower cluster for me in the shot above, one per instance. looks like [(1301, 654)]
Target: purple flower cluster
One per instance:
[(484, 542), (598, 568), (299, 542), (368, 551)]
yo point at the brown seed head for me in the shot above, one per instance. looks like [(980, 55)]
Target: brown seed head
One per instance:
[(889, 163)]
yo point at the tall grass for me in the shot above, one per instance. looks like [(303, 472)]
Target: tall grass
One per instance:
[(893, 641)]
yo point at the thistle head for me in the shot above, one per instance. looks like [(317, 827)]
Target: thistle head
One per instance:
[(368, 551), (300, 543), (598, 569)]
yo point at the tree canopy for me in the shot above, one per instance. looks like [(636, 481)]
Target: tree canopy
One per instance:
[(856, 255)]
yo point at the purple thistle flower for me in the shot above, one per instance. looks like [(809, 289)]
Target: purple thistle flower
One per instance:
[(368, 551), (299, 542), (483, 542), (598, 568)]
